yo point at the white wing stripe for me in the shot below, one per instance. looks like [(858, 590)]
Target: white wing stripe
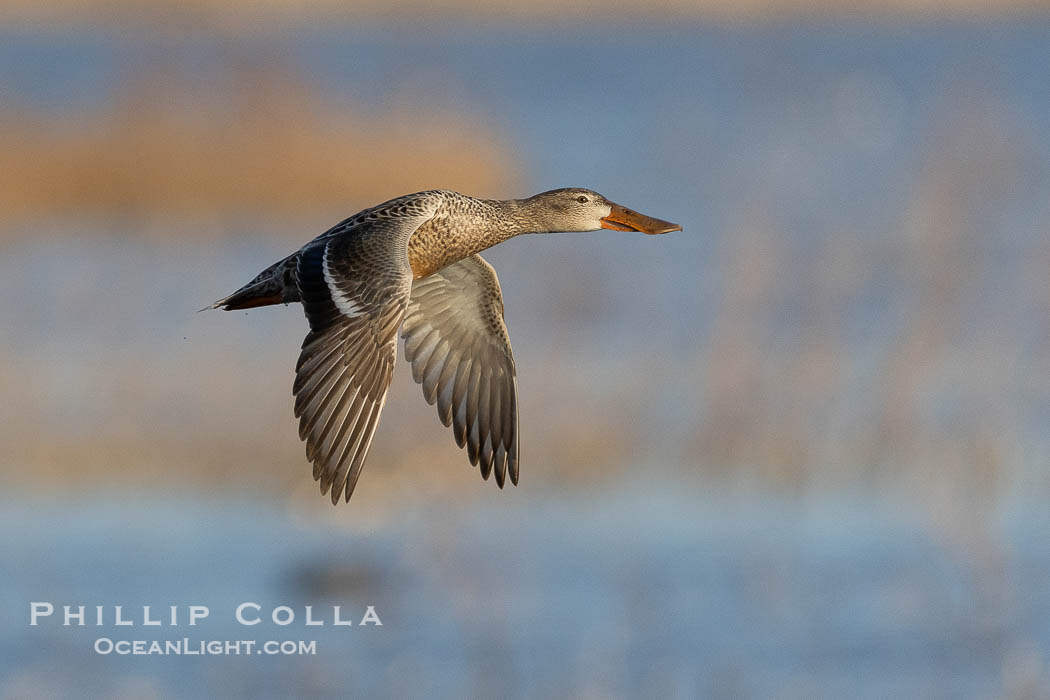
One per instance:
[(347, 306)]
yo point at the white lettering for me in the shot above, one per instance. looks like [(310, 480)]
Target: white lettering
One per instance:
[(339, 621), (119, 621), (79, 615), (370, 616), (310, 621), (198, 612), (240, 613), (146, 620), (38, 610), (287, 616)]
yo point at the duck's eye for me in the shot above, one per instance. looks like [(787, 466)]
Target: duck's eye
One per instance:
[(582, 199)]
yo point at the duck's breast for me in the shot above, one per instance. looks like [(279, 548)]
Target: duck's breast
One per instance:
[(442, 241)]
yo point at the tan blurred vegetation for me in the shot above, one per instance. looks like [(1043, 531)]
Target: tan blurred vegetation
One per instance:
[(266, 144), (242, 17)]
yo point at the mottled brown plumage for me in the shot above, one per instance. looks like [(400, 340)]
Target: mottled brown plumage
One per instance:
[(412, 264)]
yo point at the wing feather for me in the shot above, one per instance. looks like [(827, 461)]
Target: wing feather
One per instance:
[(355, 286), (457, 343)]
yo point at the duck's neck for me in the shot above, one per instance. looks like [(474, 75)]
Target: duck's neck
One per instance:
[(518, 216)]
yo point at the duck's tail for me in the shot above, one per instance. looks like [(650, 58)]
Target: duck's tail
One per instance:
[(274, 285), (245, 298)]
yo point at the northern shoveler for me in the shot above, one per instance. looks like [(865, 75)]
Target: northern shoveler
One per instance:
[(412, 263)]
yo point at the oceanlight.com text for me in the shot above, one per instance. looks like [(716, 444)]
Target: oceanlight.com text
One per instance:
[(204, 647)]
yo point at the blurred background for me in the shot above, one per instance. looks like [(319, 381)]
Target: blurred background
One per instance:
[(799, 450)]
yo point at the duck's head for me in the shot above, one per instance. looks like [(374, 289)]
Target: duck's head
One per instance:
[(578, 209)]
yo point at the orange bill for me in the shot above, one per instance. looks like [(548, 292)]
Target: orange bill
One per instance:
[(624, 219)]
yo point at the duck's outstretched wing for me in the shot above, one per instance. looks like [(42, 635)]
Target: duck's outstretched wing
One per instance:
[(354, 288), (458, 345)]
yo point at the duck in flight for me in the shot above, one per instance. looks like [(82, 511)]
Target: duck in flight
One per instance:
[(412, 264)]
